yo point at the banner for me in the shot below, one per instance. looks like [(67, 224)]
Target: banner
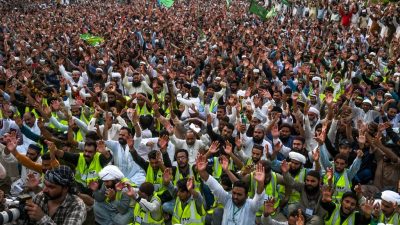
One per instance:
[(286, 2), (271, 13)]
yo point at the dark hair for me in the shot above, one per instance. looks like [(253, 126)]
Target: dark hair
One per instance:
[(267, 166), (194, 91), (145, 121), (92, 135), (230, 126), (286, 125), (315, 174), (91, 143), (127, 129), (152, 154), (341, 156), (226, 181), (147, 188), (162, 133), (349, 194), (241, 184), (299, 138), (259, 147), (46, 156), (182, 150), (181, 185)]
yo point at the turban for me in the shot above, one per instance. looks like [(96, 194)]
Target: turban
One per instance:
[(314, 110), (111, 172), (298, 157), (61, 175), (391, 196)]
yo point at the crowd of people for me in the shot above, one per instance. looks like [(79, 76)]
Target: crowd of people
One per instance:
[(202, 113)]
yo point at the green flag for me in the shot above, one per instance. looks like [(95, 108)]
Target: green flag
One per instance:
[(167, 3), (286, 2), (271, 13), (91, 39), (228, 3), (258, 10)]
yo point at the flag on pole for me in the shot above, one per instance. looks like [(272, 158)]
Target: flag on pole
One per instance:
[(271, 13), (167, 3), (258, 10)]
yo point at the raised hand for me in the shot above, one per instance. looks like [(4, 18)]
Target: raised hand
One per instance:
[(131, 193), (327, 194), (358, 189), (201, 162), (329, 173), (214, 147), (360, 153), (190, 183), (163, 142), (101, 146), (238, 142), (367, 207), (224, 162), (275, 132), (300, 218), (167, 176), (135, 117), (259, 174), (110, 194), (269, 207), (316, 155), (228, 148), (284, 167)]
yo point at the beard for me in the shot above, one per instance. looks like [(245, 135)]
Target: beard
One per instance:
[(48, 197), (310, 190), (294, 172), (136, 83), (257, 140), (122, 141)]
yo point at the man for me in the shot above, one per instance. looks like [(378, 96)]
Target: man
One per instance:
[(257, 139), (342, 177), (121, 152), (386, 213), (308, 192), (238, 208), (33, 153), (87, 164), (191, 144), (138, 85), (256, 154), (189, 208), (30, 123), (111, 205), (345, 212), (57, 203)]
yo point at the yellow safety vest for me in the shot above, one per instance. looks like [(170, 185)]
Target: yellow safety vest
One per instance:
[(156, 180), (61, 121), (85, 174), (334, 219), (143, 111), (341, 186), (143, 217), (295, 195), (271, 190), (217, 168), (392, 220), (178, 176), (189, 214)]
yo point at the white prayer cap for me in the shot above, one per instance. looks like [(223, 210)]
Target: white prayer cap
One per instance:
[(316, 79), (314, 110), (142, 63), (111, 172), (99, 70), (256, 70), (101, 62), (391, 196), (372, 54), (396, 74), (367, 101), (75, 72), (195, 128), (298, 157)]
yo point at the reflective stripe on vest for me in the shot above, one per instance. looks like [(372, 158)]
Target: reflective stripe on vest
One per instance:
[(189, 214), (295, 195), (335, 218), (143, 111), (143, 217), (84, 174), (393, 220), (271, 190)]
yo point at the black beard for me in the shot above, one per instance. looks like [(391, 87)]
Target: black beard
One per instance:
[(294, 172), (311, 190), (122, 141), (48, 197), (136, 84), (257, 140)]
